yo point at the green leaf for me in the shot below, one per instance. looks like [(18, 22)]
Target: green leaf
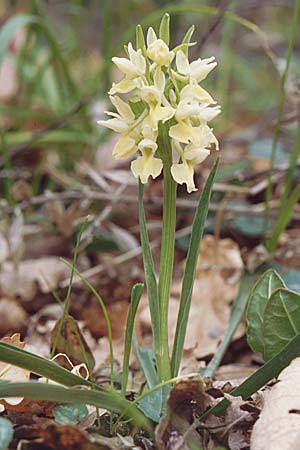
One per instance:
[(40, 366), (164, 29), (109, 399), (283, 218), (151, 405), (9, 29), (258, 299), (6, 433), (281, 321), (190, 269), (261, 377), (152, 289), (186, 42), (237, 312), (72, 413), (136, 294), (140, 39)]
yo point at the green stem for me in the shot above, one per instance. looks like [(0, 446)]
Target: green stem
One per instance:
[(279, 113), (167, 249)]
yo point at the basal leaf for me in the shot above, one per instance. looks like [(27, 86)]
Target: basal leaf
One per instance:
[(6, 433), (190, 270), (281, 321), (259, 296), (72, 413)]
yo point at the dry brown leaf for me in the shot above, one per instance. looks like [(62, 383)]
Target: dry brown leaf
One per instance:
[(64, 218), (233, 429), (96, 323), (4, 249), (13, 373), (72, 342), (178, 430), (278, 427), (44, 273)]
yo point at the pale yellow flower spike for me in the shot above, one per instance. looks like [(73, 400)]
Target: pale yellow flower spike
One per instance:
[(163, 86)]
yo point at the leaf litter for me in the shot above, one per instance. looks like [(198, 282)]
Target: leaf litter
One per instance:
[(30, 247)]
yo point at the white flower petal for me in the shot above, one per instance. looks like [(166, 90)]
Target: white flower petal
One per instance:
[(182, 63), (209, 113), (159, 52), (125, 147), (123, 108), (184, 133), (124, 86), (145, 166), (184, 173), (159, 79), (114, 124), (201, 68), (195, 154), (151, 36), (126, 66), (148, 144)]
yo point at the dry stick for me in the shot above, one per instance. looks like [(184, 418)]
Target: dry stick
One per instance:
[(214, 24), (85, 194)]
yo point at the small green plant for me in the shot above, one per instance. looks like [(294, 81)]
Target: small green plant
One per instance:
[(167, 112), (273, 315)]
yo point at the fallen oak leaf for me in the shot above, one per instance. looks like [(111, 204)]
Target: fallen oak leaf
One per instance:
[(185, 404), (67, 338), (12, 373)]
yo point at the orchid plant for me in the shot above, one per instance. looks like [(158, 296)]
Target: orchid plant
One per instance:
[(162, 114)]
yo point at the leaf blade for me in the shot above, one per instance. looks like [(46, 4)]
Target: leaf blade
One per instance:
[(281, 321), (190, 269), (259, 296)]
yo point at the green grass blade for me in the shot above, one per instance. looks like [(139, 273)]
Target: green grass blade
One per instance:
[(136, 294), (145, 359), (106, 317), (293, 31), (65, 310), (12, 25), (152, 289), (21, 358), (291, 170), (111, 401), (190, 269), (261, 377), (236, 316)]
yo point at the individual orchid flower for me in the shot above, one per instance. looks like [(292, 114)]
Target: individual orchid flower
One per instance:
[(147, 165), (154, 97), (183, 172), (133, 68), (185, 133), (157, 50), (196, 71), (123, 120)]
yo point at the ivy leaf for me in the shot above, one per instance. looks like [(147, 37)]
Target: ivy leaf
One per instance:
[(281, 321), (258, 299), (70, 414), (6, 433)]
